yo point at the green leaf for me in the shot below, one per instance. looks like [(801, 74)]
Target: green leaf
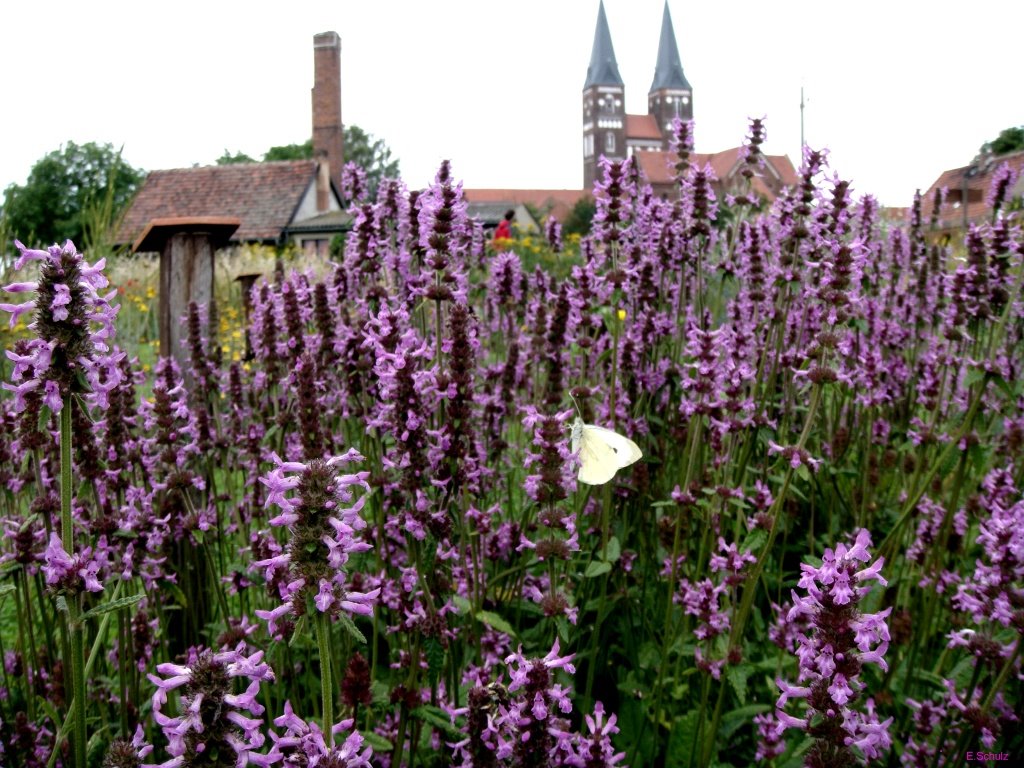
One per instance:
[(44, 418), (198, 536), (112, 605), (754, 540), (737, 677), (176, 593), (682, 742), (462, 604), (50, 711), (377, 742), (6, 589), (351, 628), (596, 568), (739, 717), (495, 621), (62, 604), (380, 692), (613, 551), (562, 624), (974, 376), (436, 717), (1004, 385), (299, 630), (434, 652)]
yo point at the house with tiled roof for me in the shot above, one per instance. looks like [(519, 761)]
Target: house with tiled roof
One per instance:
[(548, 202), (966, 191), (275, 203)]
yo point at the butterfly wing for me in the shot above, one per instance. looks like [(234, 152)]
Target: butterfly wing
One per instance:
[(602, 453), (625, 450), (598, 462)]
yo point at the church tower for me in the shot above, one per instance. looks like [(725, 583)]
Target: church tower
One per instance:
[(604, 103), (670, 95)]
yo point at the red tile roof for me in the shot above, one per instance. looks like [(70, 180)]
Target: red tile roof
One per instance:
[(263, 196), (951, 215), (657, 166), (560, 201), (642, 127)]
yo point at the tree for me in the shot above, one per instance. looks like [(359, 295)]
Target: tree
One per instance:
[(372, 155), (290, 152), (1009, 140), (239, 157), (65, 189), (579, 218)]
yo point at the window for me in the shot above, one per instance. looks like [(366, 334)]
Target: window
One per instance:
[(588, 145), (609, 142)]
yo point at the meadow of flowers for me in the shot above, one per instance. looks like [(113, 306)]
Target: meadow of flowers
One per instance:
[(365, 544)]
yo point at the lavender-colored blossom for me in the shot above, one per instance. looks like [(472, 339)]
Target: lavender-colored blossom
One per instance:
[(832, 654), (212, 719), (324, 524), (73, 326)]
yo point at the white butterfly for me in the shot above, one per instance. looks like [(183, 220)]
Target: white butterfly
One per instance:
[(602, 452)]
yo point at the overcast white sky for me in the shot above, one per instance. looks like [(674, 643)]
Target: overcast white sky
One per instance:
[(898, 90)]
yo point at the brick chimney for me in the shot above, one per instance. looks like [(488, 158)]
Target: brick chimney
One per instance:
[(328, 137)]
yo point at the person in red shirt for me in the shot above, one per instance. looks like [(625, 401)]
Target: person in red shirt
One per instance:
[(504, 229)]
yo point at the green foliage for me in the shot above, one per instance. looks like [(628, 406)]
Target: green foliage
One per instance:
[(580, 217), (372, 155), (1009, 140), (361, 148), (290, 152), (64, 189), (234, 159)]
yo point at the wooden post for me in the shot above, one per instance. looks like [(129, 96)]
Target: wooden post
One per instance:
[(187, 247), (247, 281)]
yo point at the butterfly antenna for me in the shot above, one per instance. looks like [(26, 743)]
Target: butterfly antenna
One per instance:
[(577, 405)]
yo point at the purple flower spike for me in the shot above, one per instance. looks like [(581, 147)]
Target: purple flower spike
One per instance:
[(832, 651), (73, 324), (319, 506), (212, 719)]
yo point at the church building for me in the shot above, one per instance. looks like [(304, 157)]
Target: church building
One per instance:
[(608, 130)]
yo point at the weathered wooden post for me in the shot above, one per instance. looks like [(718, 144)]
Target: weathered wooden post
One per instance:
[(186, 246), (247, 281)]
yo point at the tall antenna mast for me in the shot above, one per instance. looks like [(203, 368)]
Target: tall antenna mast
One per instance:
[(802, 143)]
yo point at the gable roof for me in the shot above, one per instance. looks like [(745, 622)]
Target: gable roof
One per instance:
[(656, 166), (977, 178), (560, 201), (263, 196), (642, 127), (668, 71), (603, 69)]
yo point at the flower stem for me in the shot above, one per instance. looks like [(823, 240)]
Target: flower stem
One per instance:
[(323, 641), (79, 737)]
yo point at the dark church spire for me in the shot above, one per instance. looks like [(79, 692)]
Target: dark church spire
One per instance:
[(668, 72), (603, 69)]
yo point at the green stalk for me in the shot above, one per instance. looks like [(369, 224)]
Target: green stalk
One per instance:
[(79, 737), (890, 540), (750, 585), (323, 641)]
